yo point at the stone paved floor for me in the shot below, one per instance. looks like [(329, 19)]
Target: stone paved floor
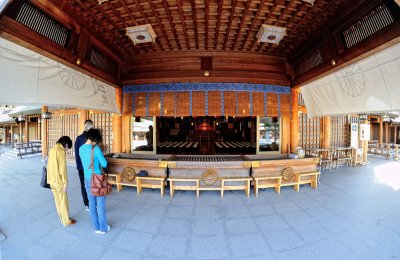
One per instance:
[(354, 214)]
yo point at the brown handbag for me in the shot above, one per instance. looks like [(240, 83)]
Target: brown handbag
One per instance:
[(99, 185)]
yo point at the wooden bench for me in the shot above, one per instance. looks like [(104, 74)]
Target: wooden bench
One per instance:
[(173, 186), (313, 180), (286, 172), (258, 184), (220, 187)]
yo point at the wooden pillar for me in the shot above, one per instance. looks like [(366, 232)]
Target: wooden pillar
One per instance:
[(44, 134), (294, 121), (126, 121), (6, 136), (12, 136), (20, 133), (83, 116), (39, 128), (285, 135), (387, 136), (117, 123), (26, 130), (326, 133), (380, 130), (395, 135)]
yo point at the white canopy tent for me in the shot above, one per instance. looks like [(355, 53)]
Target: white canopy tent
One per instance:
[(368, 86), (28, 78)]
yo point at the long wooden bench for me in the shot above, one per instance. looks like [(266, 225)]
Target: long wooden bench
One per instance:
[(124, 172), (209, 179), (197, 187), (292, 172)]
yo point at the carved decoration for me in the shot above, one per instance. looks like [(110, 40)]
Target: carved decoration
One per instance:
[(128, 174), (288, 174), (209, 177)]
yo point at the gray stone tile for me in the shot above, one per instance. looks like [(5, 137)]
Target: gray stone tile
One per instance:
[(271, 223), (202, 227), (144, 223), (237, 212), (297, 218), (113, 253), (152, 210), (286, 206), (169, 246), (248, 245), (283, 240), (306, 203), (240, 226), (208, 213), (211, 247), (180, 212), (261, 210), (176, 227), (132, 241)]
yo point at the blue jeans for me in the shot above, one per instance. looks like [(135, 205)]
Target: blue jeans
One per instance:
[(97, 209)]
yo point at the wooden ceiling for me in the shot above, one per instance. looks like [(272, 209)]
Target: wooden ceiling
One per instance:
[(204, 25)]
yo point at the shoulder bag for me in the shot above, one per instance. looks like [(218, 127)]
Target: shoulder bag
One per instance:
[(43, 181), (99, 185)]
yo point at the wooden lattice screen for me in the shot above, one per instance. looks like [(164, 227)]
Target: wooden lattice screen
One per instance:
[(60, 125), (310, 132), (340, 135), (103, 121)]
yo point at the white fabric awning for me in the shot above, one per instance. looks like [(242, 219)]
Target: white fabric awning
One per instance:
[(368, 86), (28, 78)]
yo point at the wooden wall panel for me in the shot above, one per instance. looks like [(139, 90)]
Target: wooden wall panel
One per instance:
[(258, 104), (140, 104), (243, 103), (198, 103), (214, 103), (169, 104), (127, 104), (230, 103), (183, 104), (154, 104), (104, 122), (272, 104), (285, 105)]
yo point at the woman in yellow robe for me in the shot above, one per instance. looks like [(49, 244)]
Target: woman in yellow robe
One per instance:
[(58, 179)]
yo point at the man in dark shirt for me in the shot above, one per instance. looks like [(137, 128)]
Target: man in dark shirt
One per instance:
[(80, 140)]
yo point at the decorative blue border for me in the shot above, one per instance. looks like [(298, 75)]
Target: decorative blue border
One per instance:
[(178, 87), (147, 103), (251, 103), (265, 104), (222, 103), (190, 102), (206, 98), (161, 104), (237, 104), (279, 105), (175, 102)]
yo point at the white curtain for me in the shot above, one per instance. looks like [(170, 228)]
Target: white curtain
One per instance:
[(370, 85), (28, 78)]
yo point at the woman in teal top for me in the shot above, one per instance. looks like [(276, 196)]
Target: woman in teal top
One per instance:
[(97, 205)]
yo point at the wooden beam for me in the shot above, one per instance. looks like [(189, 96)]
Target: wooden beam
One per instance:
[(147, 22), (159, 23), (179, 2), (117, 123), (44, 134), (196, 35), (220, 3), (246, 9), (260, 7), (294, 121), (206, 6), (171, 23), (228, 30)]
